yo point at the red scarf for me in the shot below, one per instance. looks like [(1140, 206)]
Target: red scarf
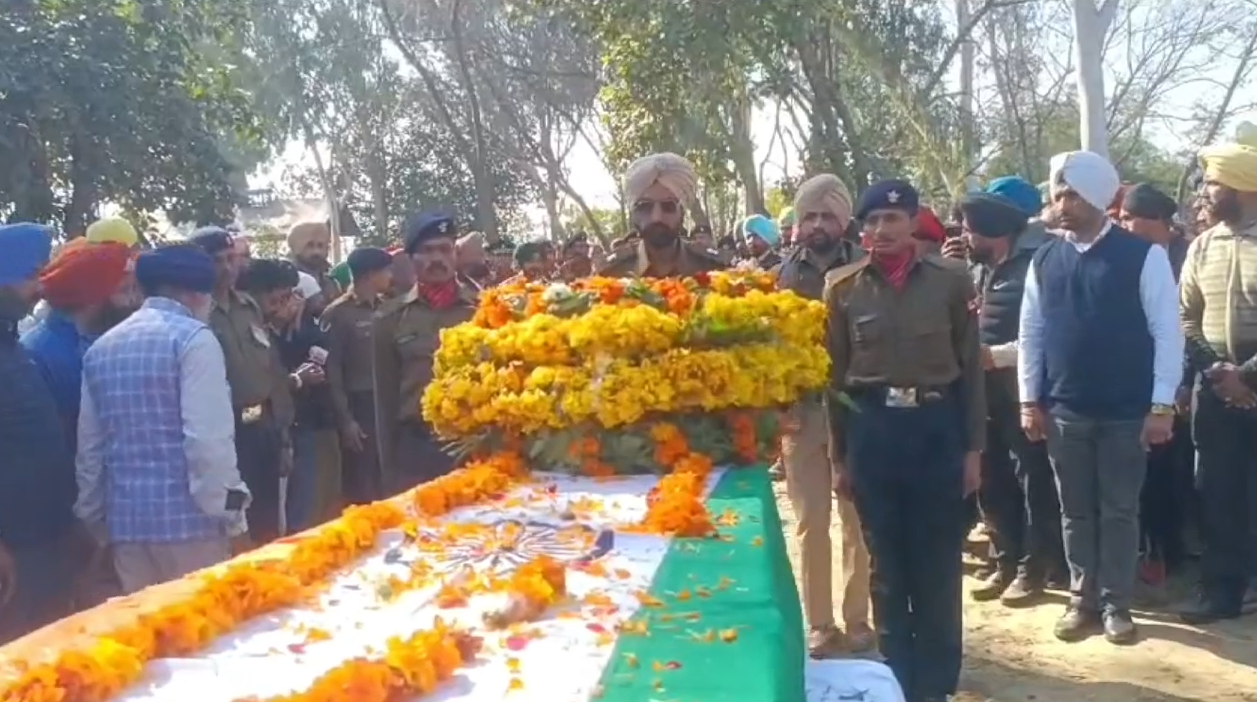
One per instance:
[(439, 296), (895, 266)]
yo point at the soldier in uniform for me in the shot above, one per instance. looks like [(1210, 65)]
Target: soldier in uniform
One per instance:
[(824, 207), (763, 238), (531, 262), (350, 355), (407, 335), (903, 337), (261, 389), (659, 186)]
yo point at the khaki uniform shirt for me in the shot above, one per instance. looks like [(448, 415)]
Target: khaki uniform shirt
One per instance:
[(348, 322), (406, 334), (633, 261), (254, 370), (803, 270), (925, 335)]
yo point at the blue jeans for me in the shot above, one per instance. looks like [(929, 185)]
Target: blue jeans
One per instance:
[(1100, 467)]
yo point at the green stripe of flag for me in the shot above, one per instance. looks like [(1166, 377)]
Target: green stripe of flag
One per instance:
[(759, 602)]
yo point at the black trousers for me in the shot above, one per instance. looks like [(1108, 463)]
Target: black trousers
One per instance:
[(1226, 443), (363, 476), (907, 475), (1169, 496), (258, 445), (418, 457), (1018, 500)]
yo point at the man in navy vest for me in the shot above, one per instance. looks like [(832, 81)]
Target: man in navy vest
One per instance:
[(1100, 360)]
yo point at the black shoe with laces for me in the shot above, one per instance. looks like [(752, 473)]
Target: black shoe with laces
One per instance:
[(1207, 610)]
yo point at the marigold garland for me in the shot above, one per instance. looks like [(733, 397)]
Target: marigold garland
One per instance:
[(225, 599), (572, 373), (473, 483), (410, 668)]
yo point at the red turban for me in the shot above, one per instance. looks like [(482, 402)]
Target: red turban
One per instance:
[(84, 273), (929, 227)]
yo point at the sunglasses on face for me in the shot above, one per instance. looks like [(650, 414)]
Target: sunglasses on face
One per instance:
[(645, 207)]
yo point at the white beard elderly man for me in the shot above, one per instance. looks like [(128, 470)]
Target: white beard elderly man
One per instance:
[(1101, 358)]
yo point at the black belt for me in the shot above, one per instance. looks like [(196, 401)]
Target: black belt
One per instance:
[(901, 396)]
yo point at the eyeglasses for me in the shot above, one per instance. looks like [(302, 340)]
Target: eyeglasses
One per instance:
[(645, 207)]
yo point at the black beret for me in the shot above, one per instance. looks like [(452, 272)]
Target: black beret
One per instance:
[(211, 239), (1147, 202), (992, 216), (426, 226), (366, 260), (891, 194)]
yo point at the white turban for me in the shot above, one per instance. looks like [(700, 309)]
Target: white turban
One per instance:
[(1086, 173), (669, 170)]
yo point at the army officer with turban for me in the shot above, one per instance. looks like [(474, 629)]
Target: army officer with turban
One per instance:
[(903, 338), (406, 337), (823, 210), (660, 186)]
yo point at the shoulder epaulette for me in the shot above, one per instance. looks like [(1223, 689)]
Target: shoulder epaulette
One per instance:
[(704, 252), (845, 272)]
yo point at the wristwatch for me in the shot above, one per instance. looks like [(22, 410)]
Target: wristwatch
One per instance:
[(1162, 410)]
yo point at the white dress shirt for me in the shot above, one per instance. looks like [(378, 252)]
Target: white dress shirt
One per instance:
[(1158, 292), (208, 441)]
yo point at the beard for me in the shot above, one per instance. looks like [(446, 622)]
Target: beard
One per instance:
[(1226, 208), (821, 243), (659, 235), (13, 307), (110, 316)]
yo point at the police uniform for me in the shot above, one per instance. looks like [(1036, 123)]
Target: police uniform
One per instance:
[(633, 261), (407, 333), (806, 461), (262, 402), (351, 352), (906, 352)]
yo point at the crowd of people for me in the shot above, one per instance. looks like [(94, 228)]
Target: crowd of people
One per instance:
[(1079, 374)]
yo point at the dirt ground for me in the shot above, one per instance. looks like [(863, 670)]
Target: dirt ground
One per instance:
[(1011, 655)]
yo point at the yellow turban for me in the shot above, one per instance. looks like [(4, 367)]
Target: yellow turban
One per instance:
[(669, 170), (1233, 165), (112, 229), (303, 233), (823, 193)]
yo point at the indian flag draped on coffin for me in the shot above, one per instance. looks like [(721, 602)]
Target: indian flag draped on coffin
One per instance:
[(646, 617)]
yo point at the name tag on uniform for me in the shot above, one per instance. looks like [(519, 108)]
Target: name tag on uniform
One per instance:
[(902, 397), (260, 336)]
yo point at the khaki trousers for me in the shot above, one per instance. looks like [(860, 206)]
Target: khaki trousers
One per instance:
[(140, 565), (809, 483)]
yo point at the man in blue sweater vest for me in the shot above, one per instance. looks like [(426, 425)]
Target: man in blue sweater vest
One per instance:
[(1101, 358)]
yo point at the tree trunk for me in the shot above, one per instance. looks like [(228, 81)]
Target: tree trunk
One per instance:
[(480, 168), (1091, 24), (742, 150)]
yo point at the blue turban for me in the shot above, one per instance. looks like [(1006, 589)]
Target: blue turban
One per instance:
[(762, 227), (1021, 191), (426, 226), (24, 249), (212, 239), (889, 195), (180, 266)]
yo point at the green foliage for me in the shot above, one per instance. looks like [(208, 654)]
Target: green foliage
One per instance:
[(115, 101), (610, 222), (1137, 159)]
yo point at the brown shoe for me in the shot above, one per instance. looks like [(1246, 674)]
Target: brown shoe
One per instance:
[(824, 642), (861, 638), (991, 588)]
